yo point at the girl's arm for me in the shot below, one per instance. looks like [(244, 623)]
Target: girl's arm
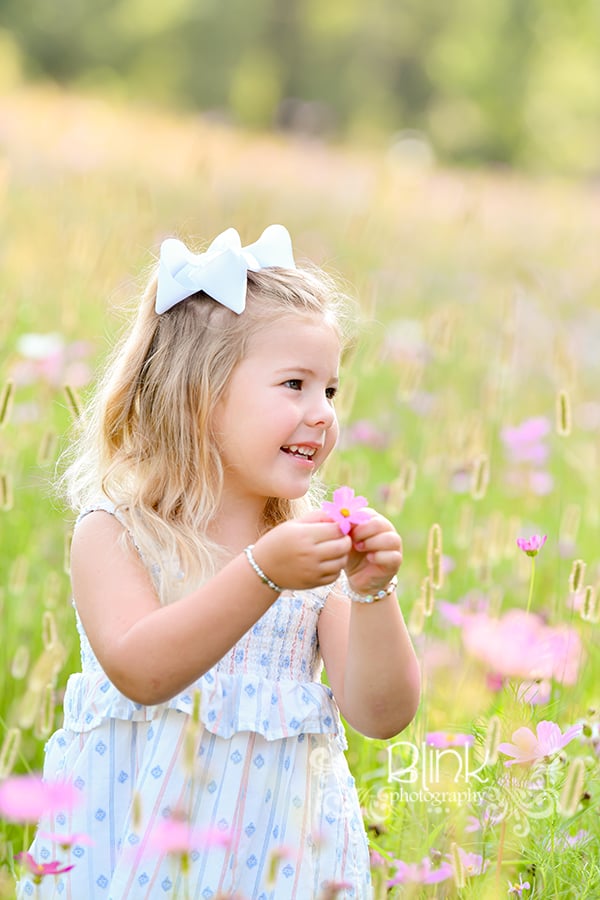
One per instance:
[(370, 662), (152, 652)]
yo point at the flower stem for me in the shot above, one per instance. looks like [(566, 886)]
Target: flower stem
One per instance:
[(500, 852), (531, 580)]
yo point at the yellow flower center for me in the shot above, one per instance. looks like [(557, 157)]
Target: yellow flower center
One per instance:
[(345, 512)]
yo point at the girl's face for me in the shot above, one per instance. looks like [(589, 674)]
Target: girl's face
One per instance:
[(276, 423)]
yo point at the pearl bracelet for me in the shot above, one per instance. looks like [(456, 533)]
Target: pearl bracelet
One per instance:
[(264, 578), (369, 598)]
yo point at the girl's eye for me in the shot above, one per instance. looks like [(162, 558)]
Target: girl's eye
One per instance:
[(295, 384)]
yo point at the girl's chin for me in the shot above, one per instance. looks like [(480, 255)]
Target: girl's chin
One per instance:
[(294, 493)]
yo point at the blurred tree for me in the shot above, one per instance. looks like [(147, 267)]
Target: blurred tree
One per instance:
[(505, 81), (255, 90), (11, 64), (480, 65), (562, 106)]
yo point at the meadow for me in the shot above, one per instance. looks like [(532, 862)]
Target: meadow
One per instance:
[(470, 416)]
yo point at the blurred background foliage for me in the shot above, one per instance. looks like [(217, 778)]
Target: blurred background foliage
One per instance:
[(505, 82), (426, 141)]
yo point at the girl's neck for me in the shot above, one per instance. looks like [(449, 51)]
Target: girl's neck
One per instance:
[(236, 525)]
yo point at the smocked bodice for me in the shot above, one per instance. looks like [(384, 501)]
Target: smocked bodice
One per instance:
[(281, 645), (268, 682)]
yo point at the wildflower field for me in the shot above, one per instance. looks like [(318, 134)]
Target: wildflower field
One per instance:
[(470, 415)]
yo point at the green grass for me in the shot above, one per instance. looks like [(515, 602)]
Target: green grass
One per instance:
[(480, 297)]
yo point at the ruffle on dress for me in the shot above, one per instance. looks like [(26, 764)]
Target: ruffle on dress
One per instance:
[(228, 704)]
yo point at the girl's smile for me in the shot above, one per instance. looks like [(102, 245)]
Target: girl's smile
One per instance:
[(303, 453)]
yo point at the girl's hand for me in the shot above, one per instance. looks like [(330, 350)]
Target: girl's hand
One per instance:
[(303, 553), (376, 554)]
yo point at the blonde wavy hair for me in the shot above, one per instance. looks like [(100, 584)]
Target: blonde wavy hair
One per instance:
[(146, 439)]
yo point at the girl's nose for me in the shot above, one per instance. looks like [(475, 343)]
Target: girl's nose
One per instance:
[(321, 413)]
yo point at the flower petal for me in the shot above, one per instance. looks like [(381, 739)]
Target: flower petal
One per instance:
[(343, 496)]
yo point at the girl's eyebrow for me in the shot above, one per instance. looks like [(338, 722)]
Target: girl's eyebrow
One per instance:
[(292, 368), (301, 370)]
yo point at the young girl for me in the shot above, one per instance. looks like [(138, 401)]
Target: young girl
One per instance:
[(209, 590)]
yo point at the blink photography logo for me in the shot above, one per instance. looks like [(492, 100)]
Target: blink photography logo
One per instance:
[(423, 766), (436, 776), (445, 777)]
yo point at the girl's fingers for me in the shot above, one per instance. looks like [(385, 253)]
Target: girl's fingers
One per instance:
[(320, 518), (385, 540), (337, 562), (383, 559), (339, 546), (327, 535), (376, 525)]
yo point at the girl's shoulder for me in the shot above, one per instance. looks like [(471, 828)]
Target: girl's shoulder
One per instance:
[(103, 504), (93, 526), (97, 525), (89, 529)]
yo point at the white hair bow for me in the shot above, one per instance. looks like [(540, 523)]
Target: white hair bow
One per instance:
[(221, 271)]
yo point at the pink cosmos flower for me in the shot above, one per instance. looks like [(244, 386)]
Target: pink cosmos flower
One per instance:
[(524, 443), (443, 739), (526, 448), (473, 863), (532, 546), (420, 873), (459, 612), (363, 433), (376, 859), (517, 645), (528, 747), (346, 509), (26, 798), (177, 836), (40, 870), (451, 612)]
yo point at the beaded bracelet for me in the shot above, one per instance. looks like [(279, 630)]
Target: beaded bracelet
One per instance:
[(369, 598), (264, 578)]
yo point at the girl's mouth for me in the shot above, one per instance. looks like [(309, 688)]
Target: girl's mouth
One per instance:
[(300, 452)]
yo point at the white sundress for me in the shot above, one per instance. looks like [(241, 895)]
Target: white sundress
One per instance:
[(261, 763)]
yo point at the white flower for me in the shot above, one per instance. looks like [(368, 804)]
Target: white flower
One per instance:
[(40, 346)]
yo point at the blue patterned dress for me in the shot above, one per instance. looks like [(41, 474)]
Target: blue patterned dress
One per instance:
[(251, 755)]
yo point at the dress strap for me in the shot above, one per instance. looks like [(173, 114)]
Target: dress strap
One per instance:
[(106, 505)]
